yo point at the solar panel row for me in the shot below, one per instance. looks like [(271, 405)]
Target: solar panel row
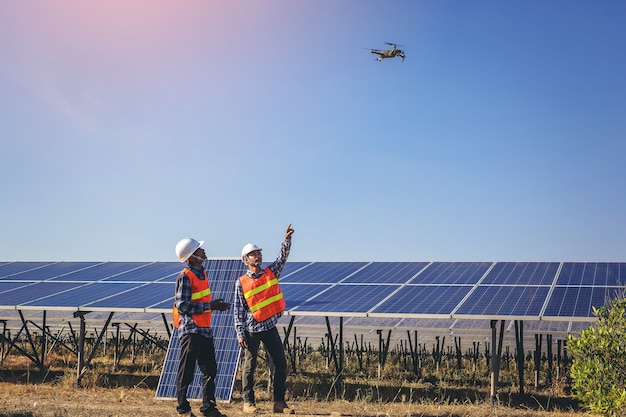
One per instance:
[(532, 290), (444, 294)]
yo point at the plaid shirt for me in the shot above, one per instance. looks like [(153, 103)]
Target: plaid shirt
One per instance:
[(243, 317), (186, 307)]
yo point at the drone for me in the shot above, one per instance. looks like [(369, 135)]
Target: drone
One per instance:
[(388, 53)]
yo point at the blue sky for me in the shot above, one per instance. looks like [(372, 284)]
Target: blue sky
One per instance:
[(129, 125)]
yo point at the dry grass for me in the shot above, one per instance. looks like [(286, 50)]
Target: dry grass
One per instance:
[(50, 400), (129, 390)]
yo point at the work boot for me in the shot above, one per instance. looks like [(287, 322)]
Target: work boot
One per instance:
[(214, 413), (282, 407), (249, 408)]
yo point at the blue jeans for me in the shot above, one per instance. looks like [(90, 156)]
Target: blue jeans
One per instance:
[(274, 347)]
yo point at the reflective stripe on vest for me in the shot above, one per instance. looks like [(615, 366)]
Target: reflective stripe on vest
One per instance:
[(263, 295), (201, 293)]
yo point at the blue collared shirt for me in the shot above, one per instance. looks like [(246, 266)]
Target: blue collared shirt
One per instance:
[(186, 307), (243, 317)]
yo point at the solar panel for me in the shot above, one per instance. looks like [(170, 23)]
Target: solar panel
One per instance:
[(51, 270), (12, 270), (308, 282), (501, 300), (77, 296), (522, 273), (386, 273), (291, 267), (298, 294), (137, 297), (7, 287), (347, 298), (324, 272), (32, 292), (101, 271), (577, 301), (222, 277), (592, 273), (444, 273), (158, 271), (602, 274), (424, 300)]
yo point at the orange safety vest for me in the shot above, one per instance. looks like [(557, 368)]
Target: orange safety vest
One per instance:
[(200, 292), (263, 295)]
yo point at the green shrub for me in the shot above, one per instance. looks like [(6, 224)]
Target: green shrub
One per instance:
[(599, 361)]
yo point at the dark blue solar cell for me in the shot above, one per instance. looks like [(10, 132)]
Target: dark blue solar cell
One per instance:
[(613, 274), (500, 272), (80, 295), (621, 280), (16, 270), (601, 273), (500, 300), (223, 275), (348, 298), (386, 272), (100, 271), (297, 294), (571, 274), (223, 265), (171, 278), (33, 291), (592, 273), (578, 301), (424, 299), (137, 296), (291, 267), (166, 304), (52, 270), (9, 286), (522, 273), (324, 272), (607, 274), (158, 271), (445, 273)]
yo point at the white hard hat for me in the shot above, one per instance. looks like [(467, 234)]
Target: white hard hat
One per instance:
[(186, 247), (250, 247)]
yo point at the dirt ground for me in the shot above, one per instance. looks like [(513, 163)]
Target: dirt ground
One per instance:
[(26, 392), (49, 400)]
